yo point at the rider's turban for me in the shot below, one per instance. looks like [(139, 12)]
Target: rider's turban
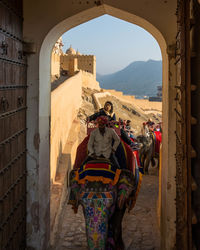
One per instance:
[(102, 120)]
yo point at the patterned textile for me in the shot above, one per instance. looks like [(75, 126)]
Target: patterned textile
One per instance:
[(98, 208), (98, 171), (125, 187)]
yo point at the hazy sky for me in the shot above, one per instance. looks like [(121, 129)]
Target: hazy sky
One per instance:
[(114, 42)]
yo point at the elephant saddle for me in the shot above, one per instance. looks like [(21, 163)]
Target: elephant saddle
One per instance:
[(98, 170)]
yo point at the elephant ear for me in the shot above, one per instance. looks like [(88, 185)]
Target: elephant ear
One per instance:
[(74, 191), (125, 187)]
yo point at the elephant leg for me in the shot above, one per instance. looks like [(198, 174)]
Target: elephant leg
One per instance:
[(116, 223), (146, 165), (158, 162), (153, 162)]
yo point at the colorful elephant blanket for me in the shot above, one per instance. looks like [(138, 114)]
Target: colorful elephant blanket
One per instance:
[(98, 171)]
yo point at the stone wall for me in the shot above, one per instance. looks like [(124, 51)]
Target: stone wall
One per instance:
[(65, 103), (85, 62), (55, 65), (89, 81)]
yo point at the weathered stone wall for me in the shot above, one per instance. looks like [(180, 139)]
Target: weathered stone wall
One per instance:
[(85, 62), (65, 102), (64, 62), (89, 81), (55, 65)]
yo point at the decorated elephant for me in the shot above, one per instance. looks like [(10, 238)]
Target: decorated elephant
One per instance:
[(146, 151), (150, 149), (104, 192)]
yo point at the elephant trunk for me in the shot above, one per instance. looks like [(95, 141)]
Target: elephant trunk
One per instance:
[(97, 208)]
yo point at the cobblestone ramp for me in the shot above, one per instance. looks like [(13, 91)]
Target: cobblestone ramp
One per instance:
[(140, 230)]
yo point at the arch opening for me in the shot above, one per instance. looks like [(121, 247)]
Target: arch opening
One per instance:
[(45, 73)]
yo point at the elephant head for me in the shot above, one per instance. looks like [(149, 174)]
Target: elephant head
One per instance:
[(99, 201), (146, 151)]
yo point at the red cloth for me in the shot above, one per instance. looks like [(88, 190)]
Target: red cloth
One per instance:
[(130, 157), (81, 153), (97, 165), (136, 153), (158, 136)]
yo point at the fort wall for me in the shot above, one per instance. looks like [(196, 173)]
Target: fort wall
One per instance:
[(84, 62), (66, 95), (55, 65), (89, 81)]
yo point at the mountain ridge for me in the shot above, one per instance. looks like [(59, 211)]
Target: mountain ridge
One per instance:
[(139, 78)]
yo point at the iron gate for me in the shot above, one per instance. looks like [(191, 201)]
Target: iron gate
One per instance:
[(184, 151), (12, 127)]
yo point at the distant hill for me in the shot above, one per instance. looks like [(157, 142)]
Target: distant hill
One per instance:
[(138, 78)]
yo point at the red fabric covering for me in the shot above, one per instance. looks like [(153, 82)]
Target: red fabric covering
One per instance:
[(81, 153), (97, 165), (136, 153), (158, 135), (130, 157)]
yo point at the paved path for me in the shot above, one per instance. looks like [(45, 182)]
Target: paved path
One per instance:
[(140, 231)]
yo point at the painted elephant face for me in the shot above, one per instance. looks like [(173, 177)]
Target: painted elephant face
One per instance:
[(99, 201)]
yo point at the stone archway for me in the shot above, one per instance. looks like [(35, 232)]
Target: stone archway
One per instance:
[(41, 139), (45, 54)]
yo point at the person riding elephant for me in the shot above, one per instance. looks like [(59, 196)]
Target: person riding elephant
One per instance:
[(107, 111), (102, 187), (103, 142), (124, 135)]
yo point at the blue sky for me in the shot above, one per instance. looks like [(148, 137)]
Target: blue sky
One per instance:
[(114, 42)]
